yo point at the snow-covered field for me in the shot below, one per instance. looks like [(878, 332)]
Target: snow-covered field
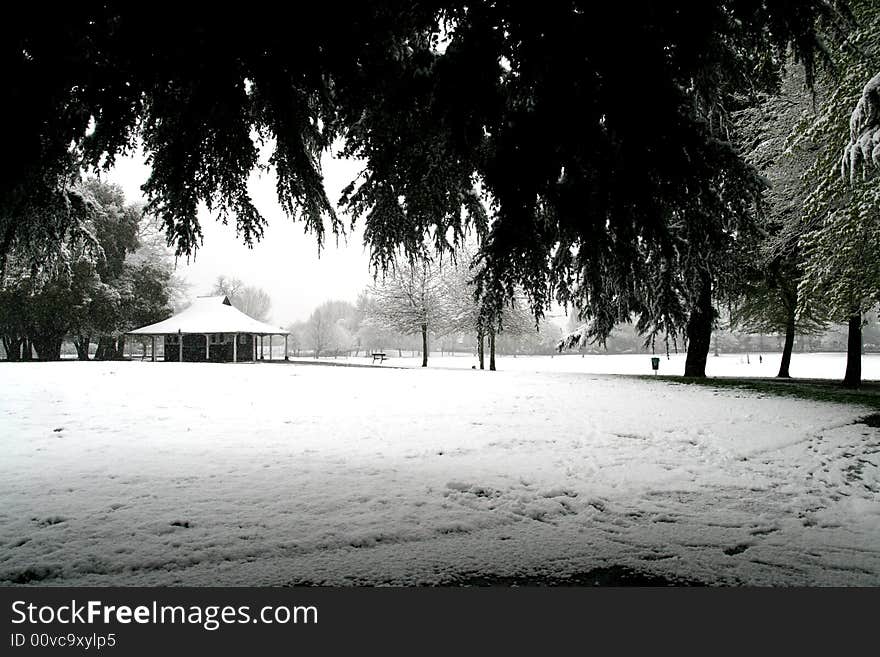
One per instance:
[(271, 474), (803, 366)]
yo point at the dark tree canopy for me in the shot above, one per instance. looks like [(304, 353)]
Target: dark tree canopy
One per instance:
[(597, 132), (195, 88)]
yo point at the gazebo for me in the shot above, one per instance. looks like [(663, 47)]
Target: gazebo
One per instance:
[(211, 329)]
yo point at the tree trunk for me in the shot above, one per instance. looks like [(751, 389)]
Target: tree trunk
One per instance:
[(26, 349), (853, 376), (699, 330), (110, 348), (12, 346), (105, 348), (424, 345), (786, 349), (48, 347), (55, 347), (492, 351), (481, 349), (81, 342)]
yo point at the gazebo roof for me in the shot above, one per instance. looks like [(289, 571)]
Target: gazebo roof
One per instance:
[(210, 315)]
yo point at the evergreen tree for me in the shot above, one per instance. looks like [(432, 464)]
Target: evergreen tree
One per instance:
[(97, 285), (863, 150), (842, 251), (769, 301)]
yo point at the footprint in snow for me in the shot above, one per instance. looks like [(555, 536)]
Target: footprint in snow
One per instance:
[(763, 531)]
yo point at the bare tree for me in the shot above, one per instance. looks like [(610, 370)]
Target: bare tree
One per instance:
[(252, 301), (414, 298), (227, 286), (331, 327), (318, 331), (297, 337)]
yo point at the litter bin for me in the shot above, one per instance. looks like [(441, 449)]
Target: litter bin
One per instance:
[(655, 364)]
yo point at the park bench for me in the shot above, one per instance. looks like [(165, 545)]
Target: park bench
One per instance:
[(379, 355)]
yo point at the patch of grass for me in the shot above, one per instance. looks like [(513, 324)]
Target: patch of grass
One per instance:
[(872, 420), (35, 574), (609, 576), (604, 576), (868, 394)]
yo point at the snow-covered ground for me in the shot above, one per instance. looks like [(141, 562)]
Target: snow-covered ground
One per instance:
[(812, 365), (269, 474)]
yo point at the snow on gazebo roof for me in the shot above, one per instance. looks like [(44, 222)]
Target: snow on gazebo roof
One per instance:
[(209, 315)]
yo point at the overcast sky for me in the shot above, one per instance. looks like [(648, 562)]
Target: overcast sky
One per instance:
[(285, 263)]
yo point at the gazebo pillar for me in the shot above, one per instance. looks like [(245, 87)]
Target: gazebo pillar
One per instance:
[(285, 347), (235, 348), (207, 346), (270, 345), (262, 355), (179, 346), (153, 348)]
